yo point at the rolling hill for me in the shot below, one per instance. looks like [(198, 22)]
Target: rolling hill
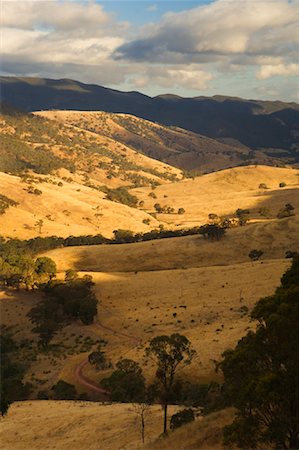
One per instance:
[(272, 126)]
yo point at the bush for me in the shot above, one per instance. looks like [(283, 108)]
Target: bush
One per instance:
[(181, 418), (64, 391), (282, 184), (255, 255), (287, 211), (121, 195)]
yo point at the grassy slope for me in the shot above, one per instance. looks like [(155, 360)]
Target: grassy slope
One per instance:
[(73, 209), (177, 147), (182, 285), (101, 427)]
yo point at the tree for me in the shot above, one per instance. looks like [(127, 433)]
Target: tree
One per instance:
[(212, 231), (39, 224), (286, 211), (255, 255), (141, 409), (126, 383), (181, 211), (181, 418), (11, 374), (64, 391), (45, 266), (169, 352), (262, 373)]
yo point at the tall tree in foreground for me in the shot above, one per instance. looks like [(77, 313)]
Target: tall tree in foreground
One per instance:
[(262, 373), (169, 352)]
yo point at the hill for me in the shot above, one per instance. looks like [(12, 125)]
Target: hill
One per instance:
[(272, 126), (67, 425), (172, 145)]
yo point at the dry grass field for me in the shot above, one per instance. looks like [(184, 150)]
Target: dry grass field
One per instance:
[(223, 192), (73, 209), (66, 425), (204, 290)]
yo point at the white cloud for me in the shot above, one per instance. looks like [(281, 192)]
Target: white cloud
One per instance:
[(193, 77), (285, 70), (189, 51), (224, 33)]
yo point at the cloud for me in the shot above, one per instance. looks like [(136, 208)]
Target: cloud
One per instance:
[(152, 8), (221, 46), (285, 70), (193, 77), (223, 33)]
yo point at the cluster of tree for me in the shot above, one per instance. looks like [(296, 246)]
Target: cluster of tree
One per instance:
[(5, 203), (19, 269), (212, 231), (16, 156), (262, 373), (12, 387), (127, 382), (167, 209), (42, 244), (122, 195), (64, 301)]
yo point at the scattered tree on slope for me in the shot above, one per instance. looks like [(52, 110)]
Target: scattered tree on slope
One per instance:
[(262, 373)]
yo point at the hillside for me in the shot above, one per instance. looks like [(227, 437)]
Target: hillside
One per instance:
[(272, 126), (79, 418), (174, 146)]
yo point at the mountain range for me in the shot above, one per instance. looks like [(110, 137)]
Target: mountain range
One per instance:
[(270, 126)]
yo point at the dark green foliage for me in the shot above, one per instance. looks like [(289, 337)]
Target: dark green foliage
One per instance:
[(16, 156), (5, 203), (123, 236), (181, 418), (169, 352), (11, 386), (18, 268), (45, 265), (121, 195), (243, 215), (255, 255), (262, 372), (97, 359), (64, 302), (64, 391), (126, 383), (213, 231)]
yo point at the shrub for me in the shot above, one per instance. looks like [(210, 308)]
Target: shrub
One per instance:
[(121, 195), (64, 391), (282, 184), (255, 255), (287, 211), (181, 211), (181, 418)]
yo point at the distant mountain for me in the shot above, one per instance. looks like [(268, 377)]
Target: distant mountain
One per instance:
[(273, 126)]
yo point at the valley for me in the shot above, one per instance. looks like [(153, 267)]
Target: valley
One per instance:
[(97, 182)]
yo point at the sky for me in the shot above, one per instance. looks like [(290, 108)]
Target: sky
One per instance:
[(243, 48)]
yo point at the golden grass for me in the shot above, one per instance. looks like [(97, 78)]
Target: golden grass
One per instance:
[(72, 209), (66, 425)]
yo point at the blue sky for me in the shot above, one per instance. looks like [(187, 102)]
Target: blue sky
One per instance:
[(245, 48), (140, 12)]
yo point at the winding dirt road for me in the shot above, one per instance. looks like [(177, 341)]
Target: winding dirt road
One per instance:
[(78, 372)]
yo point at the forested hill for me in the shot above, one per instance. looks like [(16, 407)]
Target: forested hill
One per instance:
[(256, 124)]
